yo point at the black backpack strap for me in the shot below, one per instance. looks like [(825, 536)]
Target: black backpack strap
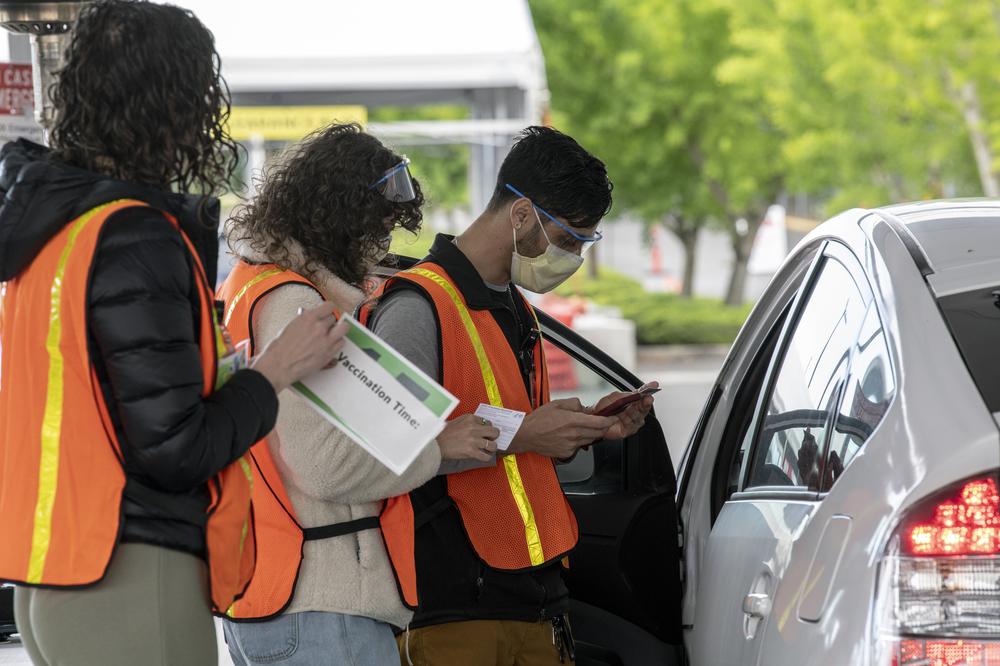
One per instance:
[(432, 511), (340, 529)]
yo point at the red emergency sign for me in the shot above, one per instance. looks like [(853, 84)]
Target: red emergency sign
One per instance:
[(16, 92)]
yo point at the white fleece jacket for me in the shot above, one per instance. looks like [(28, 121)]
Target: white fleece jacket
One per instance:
[(330, 479)]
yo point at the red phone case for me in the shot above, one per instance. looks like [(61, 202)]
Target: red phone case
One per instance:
[(619, 405)]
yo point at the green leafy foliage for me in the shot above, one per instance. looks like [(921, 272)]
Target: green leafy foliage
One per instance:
[(706, 111), (866, 93)]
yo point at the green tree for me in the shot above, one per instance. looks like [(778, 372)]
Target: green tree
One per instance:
[(951, 48), (685, 146), (860, 92), (611, 89), (708, 110)]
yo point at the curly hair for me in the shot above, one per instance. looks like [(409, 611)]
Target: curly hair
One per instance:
[(141, 98), (319, 195)]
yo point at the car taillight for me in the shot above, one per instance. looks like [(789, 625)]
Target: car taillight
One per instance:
[(938, 601)]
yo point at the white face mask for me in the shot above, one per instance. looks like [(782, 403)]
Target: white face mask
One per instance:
[(546, 271)]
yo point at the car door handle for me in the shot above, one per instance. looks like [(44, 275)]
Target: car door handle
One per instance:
[(757, 605)]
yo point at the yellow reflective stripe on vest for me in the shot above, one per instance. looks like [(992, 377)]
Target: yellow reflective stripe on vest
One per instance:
[(220, 340), (248, 473), (48, 464), (245, 288), (534, 541), (245, 466), (492, 389)]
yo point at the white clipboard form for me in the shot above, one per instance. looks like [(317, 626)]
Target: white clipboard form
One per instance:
[(379, 399)]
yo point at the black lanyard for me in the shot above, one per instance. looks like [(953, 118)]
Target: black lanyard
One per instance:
[(528, 337)]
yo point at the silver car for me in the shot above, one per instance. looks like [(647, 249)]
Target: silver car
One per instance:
[(838, 502), (839, 498)]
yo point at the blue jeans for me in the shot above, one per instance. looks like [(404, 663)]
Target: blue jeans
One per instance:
[(310, 639)]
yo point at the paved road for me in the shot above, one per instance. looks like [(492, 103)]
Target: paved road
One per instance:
[(686, 385)]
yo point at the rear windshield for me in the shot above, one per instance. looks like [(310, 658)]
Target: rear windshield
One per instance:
[(974, 320)]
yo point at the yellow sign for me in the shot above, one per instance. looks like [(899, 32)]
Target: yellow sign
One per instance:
[(289, 123)]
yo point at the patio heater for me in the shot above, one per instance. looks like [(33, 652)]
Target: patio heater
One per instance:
[(49, 25)]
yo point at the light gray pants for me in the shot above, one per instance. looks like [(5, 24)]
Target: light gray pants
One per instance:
[(151, 608)]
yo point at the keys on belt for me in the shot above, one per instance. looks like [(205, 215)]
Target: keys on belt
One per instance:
[(562, 638)]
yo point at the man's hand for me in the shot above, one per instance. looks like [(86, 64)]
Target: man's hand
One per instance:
[(559, 428), (629, 421)]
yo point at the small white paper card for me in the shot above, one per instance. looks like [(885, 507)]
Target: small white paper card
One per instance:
[(508, 421), (379, 399)]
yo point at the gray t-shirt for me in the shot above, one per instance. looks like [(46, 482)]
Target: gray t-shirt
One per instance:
[(405, 319)]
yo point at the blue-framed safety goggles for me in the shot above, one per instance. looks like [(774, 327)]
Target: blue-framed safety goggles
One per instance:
[(586, 240), (397, 183)]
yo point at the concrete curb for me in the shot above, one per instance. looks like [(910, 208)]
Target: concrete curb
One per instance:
[(663, 354)]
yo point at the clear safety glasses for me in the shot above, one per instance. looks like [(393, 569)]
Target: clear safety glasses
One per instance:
[(397, 183), (587, 241)]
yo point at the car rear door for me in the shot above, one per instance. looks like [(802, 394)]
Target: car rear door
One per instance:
[(777, 474), (624, 575)]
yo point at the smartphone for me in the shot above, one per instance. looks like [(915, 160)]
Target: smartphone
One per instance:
[(619, 405)]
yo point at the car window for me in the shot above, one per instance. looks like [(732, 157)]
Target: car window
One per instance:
[(973, 317), (598, 468), (791, 438), (869, 389), (738, 434)]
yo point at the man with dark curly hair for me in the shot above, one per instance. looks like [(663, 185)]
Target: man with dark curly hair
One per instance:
[(490, 537), (124, 412), (324, 590)]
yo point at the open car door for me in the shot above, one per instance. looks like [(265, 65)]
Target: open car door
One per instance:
[(624, 576)]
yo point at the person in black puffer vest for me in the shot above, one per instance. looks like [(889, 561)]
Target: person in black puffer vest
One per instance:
[(142, 111)]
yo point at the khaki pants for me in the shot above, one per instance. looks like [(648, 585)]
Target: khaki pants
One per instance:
[(480, 643), (151, 609)]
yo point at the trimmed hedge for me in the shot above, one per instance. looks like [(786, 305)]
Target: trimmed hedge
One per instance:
[(661, 318)]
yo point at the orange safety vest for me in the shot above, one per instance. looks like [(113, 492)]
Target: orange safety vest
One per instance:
[(280, 535), (515, 513), (61, 471)]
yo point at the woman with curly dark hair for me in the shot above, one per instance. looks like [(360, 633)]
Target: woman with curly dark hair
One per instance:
[(125, 413), (321, 221)]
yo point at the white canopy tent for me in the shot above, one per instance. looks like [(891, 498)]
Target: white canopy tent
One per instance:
[(483, 54)]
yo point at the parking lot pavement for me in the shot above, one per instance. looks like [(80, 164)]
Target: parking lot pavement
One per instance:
[(11, 652), (686, 383)]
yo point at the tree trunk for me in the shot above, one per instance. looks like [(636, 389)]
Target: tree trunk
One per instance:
[(742, 245), (737, 280), (972, 111), (685, 229), (689, 239)]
